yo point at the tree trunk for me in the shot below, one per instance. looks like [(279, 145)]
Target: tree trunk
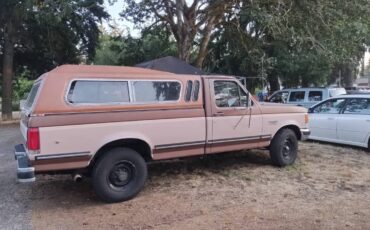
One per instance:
[(182, 28), (8, 56), (274, 83), (305, 82), (348, 75), (334, 76), (204, 43), (184, 48)]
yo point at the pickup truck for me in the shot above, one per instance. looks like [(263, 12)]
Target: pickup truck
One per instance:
[(107, 122)]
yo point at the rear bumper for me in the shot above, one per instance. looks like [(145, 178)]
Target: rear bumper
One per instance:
[(25, 172), (304, 134)]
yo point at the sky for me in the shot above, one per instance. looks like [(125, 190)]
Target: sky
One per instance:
[(114, 11)]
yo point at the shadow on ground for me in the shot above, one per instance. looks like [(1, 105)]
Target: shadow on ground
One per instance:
[(60, 191)]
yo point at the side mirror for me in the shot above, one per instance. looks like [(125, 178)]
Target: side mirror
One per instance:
[(310, 110)]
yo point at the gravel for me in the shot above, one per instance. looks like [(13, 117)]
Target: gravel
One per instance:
[(15, 200)]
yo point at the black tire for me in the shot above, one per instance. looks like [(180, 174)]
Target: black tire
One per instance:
[(284, 148), (119, 175)]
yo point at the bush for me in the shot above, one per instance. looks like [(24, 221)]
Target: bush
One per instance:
[(21, 86)]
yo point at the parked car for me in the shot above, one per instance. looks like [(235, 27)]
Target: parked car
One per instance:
[(107, 122), (344, 119), (306, 97), (358, 90)]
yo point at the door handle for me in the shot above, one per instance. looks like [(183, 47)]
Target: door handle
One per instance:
[(330, 118), (219, 113)]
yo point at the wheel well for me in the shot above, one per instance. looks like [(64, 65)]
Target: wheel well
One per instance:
[(294, 128), (138, 145)]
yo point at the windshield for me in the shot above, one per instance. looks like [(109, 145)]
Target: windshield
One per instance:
[(32, 95)]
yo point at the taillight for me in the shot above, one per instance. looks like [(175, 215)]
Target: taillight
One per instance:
[(33, 139)]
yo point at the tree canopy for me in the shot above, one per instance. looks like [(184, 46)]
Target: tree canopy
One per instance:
[(288, 42), (116, 49), (191, 22), (300, 42), (42, 34)]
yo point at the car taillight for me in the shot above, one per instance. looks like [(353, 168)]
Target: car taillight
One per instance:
[(306, 118), (33, 139)]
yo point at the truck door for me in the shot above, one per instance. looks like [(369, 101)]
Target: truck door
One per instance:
[(236, 123)]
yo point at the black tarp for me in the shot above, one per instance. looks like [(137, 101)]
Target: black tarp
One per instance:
[(172, 65)]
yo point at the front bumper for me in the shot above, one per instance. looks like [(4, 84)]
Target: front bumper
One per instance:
[(305, 133), (25, 172)]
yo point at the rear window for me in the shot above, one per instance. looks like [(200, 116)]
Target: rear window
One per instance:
[(156, 91), (32, 95), (98, 92)]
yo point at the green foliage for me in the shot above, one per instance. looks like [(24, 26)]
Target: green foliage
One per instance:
[(301, 42), (42, 34), (52, 32), (21, 86), (120, 50)]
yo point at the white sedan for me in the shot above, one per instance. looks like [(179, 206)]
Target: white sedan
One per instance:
[(344, 119)]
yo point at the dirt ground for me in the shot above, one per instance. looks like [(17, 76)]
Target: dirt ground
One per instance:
[(327, 188)]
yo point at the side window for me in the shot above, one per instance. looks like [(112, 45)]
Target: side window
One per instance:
[(332, 106), (196, 90), (229, 94), (315, 96), (189, 88), (280, 97), (98, 92), (297, 96), (357, 106), (156, 91), (32, 96)]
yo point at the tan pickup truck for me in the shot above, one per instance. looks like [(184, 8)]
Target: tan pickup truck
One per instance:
[(107, 122)]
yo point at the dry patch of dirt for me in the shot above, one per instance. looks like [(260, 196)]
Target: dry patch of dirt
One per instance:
[(327, 188)]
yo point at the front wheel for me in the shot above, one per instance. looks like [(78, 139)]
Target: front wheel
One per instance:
[(284, 148), (119, 175)]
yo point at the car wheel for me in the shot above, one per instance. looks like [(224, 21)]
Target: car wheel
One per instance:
[(119, 175), (284, 148)]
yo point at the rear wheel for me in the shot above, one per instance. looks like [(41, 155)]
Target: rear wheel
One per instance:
[(284, 148), (119, 175)]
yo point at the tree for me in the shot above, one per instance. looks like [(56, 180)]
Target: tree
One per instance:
[(298, 42), (187, 20), (116, 49), (42, 34)]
